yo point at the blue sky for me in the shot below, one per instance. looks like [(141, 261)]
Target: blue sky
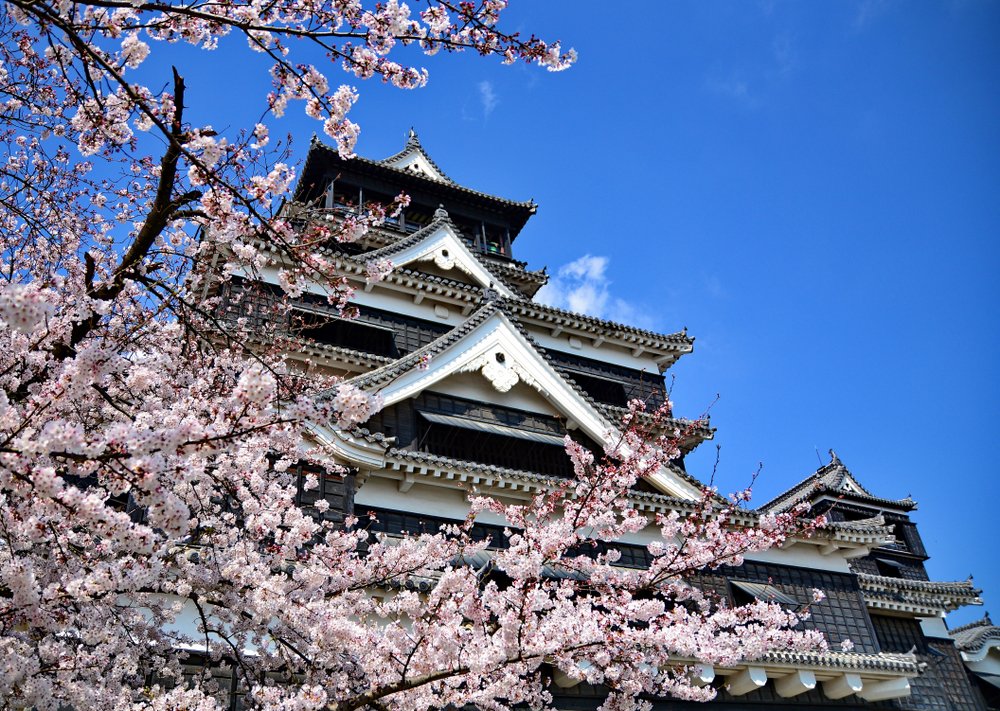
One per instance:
[(810, 188)]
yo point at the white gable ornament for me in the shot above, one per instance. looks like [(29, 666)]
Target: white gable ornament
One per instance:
[(500, 374), (444, 259)]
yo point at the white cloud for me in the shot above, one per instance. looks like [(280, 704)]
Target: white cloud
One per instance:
[(487, 97), (583, 286)]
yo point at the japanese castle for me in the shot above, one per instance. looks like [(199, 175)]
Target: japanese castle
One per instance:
[(480, 385)]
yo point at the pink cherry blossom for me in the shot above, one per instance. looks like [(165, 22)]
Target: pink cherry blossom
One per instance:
[(159, 441)]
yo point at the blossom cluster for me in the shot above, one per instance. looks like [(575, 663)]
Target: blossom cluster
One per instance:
[(158, 449)]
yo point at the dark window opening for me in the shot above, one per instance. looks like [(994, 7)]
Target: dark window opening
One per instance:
[(899, 531), (401, 522), (495, 240), (345, 195), (336, 490), (392, 522), (346, 334), (374, 198), (889, 568), (471, 231), (745, 592), (492, 448), (417, 216), (606, 391), (637, 384)]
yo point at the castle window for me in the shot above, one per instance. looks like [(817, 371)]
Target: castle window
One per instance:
[(745, 592), (889, 568), (418, 216), (346, 333), (343, 195), (608, 391), (496, 240), (484, 442), (474, 425)]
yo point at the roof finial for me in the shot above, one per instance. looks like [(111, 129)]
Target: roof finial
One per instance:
[(413, 136), (440, 213), (834, 459)]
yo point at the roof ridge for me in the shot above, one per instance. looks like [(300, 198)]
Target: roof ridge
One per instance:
[(605, 323), (984, 622), (920, 585)]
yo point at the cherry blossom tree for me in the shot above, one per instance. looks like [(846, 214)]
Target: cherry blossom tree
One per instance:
[(150, 454)]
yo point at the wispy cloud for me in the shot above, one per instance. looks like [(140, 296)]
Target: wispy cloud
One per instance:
[(583, 286), (487, 97)]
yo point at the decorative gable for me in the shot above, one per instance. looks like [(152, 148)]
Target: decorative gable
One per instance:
[(491, 346), (851, 486), (418, 164), (414, 159), (440, 244)]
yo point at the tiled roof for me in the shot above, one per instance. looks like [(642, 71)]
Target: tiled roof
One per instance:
[(832, 478), (518, 278), (413, 146), (918, 596), (975, 635), (875, 523), (678, 342), (419, 281), (869, 531), (389, 372), (436, 464), (902, 663), (337, 353), (638, 337), (440, 219), (317, 144), (484, 470), (408, 241)]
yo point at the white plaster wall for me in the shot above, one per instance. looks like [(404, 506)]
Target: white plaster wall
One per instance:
[(430, 500), (380, 298), (607, 352), (802, 555), (476, 387), (389, 300)]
